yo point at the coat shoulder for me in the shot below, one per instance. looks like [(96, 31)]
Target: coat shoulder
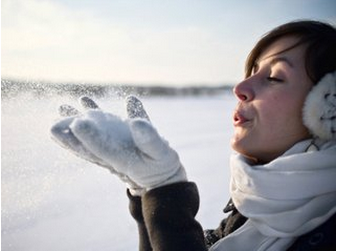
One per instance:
[(228, 225), (322, 238)]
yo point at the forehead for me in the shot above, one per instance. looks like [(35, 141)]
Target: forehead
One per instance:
[(281, 47)]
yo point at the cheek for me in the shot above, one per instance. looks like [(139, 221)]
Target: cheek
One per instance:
[(282, 122), (274, 113)]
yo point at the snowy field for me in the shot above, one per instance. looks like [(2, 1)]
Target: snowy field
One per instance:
[(52, 200)]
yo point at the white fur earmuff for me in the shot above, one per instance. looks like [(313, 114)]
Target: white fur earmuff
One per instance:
[(319, 108)]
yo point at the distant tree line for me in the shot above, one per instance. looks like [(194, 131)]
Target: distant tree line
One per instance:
[(11, 88)]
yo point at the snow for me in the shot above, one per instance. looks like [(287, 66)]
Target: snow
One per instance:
[(53, 200), (105, 135)]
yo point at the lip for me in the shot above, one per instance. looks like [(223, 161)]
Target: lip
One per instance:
[(239, 119)]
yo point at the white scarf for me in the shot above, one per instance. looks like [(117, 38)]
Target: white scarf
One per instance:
[(283, 199)]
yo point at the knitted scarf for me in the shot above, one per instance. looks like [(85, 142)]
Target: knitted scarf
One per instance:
[(284, 199)]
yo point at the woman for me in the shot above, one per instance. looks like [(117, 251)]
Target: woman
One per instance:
[(282, 177)]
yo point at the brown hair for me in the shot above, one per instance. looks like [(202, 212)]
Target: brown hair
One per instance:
[(320, 41)]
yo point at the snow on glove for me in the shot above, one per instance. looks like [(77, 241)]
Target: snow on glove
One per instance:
[(133, 146), (64, 136)]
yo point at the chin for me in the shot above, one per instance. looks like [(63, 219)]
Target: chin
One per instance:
[(243, 150), (238, 146)]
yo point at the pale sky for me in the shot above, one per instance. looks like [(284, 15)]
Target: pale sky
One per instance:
[(172, 42)]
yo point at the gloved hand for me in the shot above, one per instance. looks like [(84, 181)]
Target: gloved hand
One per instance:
[(132, 148)]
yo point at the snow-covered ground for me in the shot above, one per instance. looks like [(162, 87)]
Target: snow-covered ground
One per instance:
[(52, 200)]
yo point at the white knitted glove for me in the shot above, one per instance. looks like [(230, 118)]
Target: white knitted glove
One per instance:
[(64, 136), (130, 148)]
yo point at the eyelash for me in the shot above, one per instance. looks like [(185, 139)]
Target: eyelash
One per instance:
[(274, 79)]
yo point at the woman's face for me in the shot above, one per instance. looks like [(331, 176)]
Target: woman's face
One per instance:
[(268, 117)]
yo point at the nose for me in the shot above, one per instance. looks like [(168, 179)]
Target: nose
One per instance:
[(244, 90)]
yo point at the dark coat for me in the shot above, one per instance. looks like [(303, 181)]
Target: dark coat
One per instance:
[(166, 221)]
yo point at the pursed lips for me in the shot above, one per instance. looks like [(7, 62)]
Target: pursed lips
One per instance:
[(239, 119)]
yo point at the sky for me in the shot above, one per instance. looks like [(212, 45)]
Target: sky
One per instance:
[(141, 42)]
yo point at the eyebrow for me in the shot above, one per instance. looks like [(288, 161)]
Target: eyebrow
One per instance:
[(274, 61), (281, 59)]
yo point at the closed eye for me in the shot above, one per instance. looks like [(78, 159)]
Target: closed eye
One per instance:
[(273, 79)]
